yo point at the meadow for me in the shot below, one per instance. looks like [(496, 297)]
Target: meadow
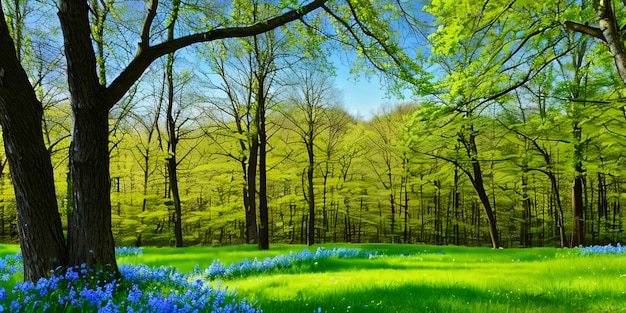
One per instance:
[(336, 278)]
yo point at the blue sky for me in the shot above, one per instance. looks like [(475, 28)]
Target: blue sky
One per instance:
[(362, 96)]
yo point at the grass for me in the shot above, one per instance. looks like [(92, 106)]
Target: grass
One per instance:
[(448, 279), (417, 278)]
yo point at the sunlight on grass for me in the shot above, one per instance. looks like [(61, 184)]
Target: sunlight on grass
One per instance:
[(452, 281), (410, 278)]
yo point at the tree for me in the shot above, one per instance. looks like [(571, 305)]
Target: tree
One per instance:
[(89, 237), (486, 54), (172, 130), (312, 96), (338, 121), (39, 222), (229, 119), (387, 158), (608, 16), (536, 122)]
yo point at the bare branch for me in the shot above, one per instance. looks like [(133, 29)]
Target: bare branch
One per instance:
[(585, 29)]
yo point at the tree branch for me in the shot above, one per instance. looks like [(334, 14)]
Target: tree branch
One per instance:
[(585, 29), (148, 54), (147, 24)]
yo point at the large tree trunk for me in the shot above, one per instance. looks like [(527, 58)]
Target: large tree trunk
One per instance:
[(90, 240), (90, 227), (611, 31), (38, 220)]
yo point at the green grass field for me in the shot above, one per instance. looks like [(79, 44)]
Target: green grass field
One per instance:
[(424, 279), (416, 278)]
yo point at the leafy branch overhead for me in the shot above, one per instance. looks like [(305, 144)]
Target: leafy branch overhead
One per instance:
[(607, 16)]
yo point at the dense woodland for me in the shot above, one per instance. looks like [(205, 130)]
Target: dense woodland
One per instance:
[(399, 177), (174, 123)]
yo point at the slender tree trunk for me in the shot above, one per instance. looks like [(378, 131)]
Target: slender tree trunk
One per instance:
[(310, 192), (525, 233), (38, 220), (172, 165), (578, 233), (251, 180), (479, 186), (559, 206), (264, 243), (173, 176), (392, 202)]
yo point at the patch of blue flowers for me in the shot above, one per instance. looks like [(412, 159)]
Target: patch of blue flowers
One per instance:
[(137, 288), (10, 265), (608, 249), (218, 270), (128, 251)]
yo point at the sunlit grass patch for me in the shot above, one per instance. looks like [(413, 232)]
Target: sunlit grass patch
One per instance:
[(342, 278), (484, 280)]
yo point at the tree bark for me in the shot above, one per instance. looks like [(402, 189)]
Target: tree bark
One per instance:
[(38, 220), (310, 192), (173, 176), (251, 181), (477, 182), (608, 31), (90, 240), (578, 234), (264, 241)]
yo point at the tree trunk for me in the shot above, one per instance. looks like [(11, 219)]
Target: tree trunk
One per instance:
[(557, 198), (578, 233), (479, 186), (310, 192), (613, 35), (178, 225), (525, 233), (251, 181), (264, 243), (38, 220), (90, 227), (172, 165), (90, 240)]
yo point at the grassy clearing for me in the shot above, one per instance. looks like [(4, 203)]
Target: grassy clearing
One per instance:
[(423, 279), (417, 278), (448, 279)]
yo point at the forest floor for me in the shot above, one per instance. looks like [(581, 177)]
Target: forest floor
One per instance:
[(353, 278)]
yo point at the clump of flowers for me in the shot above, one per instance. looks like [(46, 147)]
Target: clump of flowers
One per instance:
[(128, 251), (218, 270), (136, 288), (9, 265), (139, 288), (608, 249)]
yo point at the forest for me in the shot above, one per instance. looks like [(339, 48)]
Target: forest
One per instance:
[(182, 126)]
